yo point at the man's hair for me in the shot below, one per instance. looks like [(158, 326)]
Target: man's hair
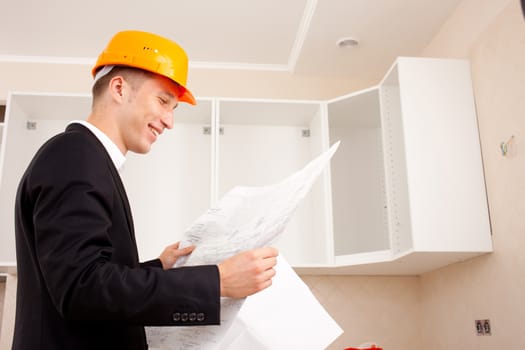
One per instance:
[(134, 76)]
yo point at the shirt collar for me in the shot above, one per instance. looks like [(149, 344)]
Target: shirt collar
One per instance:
[(114, 152)]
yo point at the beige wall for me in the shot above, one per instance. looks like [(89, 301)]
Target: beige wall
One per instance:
[(381, 310), (491, 286), (438, 309)]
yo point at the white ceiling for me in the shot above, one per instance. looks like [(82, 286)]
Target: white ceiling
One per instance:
[(286, 35)]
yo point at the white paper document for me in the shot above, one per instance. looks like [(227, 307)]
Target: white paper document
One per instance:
[(247, 218), (284, 316)]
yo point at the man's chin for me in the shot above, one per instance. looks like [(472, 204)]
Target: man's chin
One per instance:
[(142, 150)]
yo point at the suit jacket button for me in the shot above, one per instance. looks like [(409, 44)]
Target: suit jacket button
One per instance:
[(176, 317), (193, 316), (200, 317), (184, 317)]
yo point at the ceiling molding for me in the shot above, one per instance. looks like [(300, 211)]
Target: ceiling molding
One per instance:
[(304, 26), (240, 66), (47, 59), (91, 61)]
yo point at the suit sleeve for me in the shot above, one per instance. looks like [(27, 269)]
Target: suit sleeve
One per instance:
[(151, 263), (74, 201)]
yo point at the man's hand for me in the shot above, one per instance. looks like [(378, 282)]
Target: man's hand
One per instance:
[(171, 253), (248, 272)]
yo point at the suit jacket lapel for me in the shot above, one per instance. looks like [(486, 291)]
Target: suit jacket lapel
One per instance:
[(123, 196)]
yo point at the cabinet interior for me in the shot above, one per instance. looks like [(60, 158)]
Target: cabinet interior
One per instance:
[(358, 177), (263, 142)]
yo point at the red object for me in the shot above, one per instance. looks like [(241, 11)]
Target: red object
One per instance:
[(373, 347)]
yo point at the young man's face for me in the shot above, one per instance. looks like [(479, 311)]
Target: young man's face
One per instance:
[(148, 110)]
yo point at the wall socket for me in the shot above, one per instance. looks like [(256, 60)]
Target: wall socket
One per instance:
[(483, 327)]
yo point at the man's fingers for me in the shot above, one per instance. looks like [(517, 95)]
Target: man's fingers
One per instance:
[(268, 263), (266, 252), (187, 250)]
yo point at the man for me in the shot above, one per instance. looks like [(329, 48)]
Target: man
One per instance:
[(80, 283)]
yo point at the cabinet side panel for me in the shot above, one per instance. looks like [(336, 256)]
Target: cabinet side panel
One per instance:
[(445, 174), (395, 166), (319, 214)]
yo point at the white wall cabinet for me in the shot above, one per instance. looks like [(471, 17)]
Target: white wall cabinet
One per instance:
[(404, 194), (408, 185)]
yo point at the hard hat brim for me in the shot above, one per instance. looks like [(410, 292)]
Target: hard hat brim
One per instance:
[(187, 96)]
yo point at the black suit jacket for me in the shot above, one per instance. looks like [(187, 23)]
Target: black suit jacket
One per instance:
[(80, 284)]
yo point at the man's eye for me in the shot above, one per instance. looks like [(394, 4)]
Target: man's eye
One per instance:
[(162, 101)]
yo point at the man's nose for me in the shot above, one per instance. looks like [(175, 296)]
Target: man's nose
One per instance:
[(167, 119)]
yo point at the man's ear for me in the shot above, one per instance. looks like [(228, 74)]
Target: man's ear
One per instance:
[(116, 88)]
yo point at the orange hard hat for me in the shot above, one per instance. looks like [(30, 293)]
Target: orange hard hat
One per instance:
[(150, 52)]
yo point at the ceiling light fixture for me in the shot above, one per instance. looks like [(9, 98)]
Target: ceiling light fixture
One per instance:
[(347, 42)]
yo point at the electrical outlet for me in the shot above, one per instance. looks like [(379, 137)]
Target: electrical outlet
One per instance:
[(486, 327), (483, 327), (479, 328)]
